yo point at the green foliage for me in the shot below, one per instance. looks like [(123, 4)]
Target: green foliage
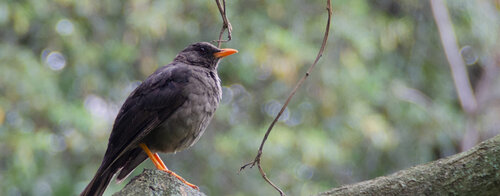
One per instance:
[(381, 98)]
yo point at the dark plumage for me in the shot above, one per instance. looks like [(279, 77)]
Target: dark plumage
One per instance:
[(168, 112)]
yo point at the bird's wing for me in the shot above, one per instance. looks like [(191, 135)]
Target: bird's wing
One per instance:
[(146, 108)]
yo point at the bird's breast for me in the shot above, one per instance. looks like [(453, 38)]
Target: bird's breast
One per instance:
[(186, 125)]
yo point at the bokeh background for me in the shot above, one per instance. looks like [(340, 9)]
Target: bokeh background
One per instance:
[(380, 100)]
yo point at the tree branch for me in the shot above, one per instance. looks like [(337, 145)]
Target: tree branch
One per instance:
[(457, 65), (458, 71), (156, 182), (474, 172), (257, 159), (225, 25)]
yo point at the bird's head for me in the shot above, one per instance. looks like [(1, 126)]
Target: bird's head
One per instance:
[(203, 54)]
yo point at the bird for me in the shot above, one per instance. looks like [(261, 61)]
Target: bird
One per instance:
[(167, 112)]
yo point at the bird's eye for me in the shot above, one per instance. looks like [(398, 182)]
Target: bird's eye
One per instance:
[(202, 49)]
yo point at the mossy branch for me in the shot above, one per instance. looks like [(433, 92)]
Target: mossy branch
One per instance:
[(474, 172)]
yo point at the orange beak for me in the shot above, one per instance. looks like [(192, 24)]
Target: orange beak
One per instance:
[(225, 52)]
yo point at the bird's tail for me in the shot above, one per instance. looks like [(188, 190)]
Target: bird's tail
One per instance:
[(99, 183)]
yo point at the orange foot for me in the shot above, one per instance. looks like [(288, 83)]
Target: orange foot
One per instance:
[(161, 166)]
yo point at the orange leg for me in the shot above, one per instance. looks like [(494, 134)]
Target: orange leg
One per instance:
[(158, 159), (161, 166)]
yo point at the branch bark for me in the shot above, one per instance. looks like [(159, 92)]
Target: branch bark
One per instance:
[(474, 172), (156, 182)]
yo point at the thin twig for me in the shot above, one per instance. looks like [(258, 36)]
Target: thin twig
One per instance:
[(226, 24), (257, 159), (457, 65), (458, 72)]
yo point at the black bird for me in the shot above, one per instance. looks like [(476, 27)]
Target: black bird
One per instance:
[(168, 112)]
